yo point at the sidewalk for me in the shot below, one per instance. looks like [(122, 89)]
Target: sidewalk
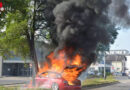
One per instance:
[(15, 78), (6, 81)]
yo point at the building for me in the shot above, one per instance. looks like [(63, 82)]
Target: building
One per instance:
[(119, 52), (128, 64), (99, 67), (15, 67), (117, 62)]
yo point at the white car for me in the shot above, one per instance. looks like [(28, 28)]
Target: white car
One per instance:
[(91, 73)]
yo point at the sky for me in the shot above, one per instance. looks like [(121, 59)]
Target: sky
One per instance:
[(122, 41)]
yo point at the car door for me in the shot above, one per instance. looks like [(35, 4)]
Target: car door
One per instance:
[(42, 81)]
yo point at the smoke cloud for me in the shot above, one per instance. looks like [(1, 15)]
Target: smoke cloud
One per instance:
[(119, 12), (81, 25)]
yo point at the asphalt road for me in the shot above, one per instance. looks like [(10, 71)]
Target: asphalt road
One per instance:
[(123, 85)]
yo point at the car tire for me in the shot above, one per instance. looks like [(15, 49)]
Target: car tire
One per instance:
[(55, 86)]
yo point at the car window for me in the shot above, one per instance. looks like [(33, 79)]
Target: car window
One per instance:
[(50, 75), (43, 75), (53, 75)]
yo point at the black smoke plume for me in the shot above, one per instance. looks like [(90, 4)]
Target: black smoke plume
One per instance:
[(82, 25)]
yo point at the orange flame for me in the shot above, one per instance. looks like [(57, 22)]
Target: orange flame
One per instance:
[(69, 69)]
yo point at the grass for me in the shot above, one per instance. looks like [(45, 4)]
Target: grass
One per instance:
[(98, 81), (8, 88)]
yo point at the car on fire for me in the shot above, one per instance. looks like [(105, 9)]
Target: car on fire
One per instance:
[(55, 81)]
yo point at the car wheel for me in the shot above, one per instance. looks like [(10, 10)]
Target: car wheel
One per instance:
[(55, 86)]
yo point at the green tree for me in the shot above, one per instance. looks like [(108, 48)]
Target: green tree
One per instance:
[(22, 19), (19, 35)]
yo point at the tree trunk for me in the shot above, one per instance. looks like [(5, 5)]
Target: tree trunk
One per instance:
[(33, 55), (32, 45), (30, 37), (34, 60)]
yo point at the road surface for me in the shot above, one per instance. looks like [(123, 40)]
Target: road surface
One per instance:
[(123, 85)]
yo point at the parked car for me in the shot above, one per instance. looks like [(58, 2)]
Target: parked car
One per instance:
[(55, 81), (99, 74), (91, 73), (118, 74), (124, 74)]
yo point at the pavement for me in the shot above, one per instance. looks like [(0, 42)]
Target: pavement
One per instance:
[(7, 81), (124, 84)]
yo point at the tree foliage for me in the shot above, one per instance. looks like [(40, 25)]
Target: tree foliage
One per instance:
[(14, 38), (14, 18)]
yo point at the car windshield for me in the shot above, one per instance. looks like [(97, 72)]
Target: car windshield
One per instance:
[(50, 74)]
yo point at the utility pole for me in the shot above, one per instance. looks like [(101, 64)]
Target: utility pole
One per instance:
[(104, 59)]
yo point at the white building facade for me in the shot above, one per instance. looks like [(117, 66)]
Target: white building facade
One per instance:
[(128, 64)]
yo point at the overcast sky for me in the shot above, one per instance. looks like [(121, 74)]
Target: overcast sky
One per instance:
[(122, 41)]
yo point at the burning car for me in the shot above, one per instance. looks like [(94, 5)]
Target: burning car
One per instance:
[(55, 81)]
